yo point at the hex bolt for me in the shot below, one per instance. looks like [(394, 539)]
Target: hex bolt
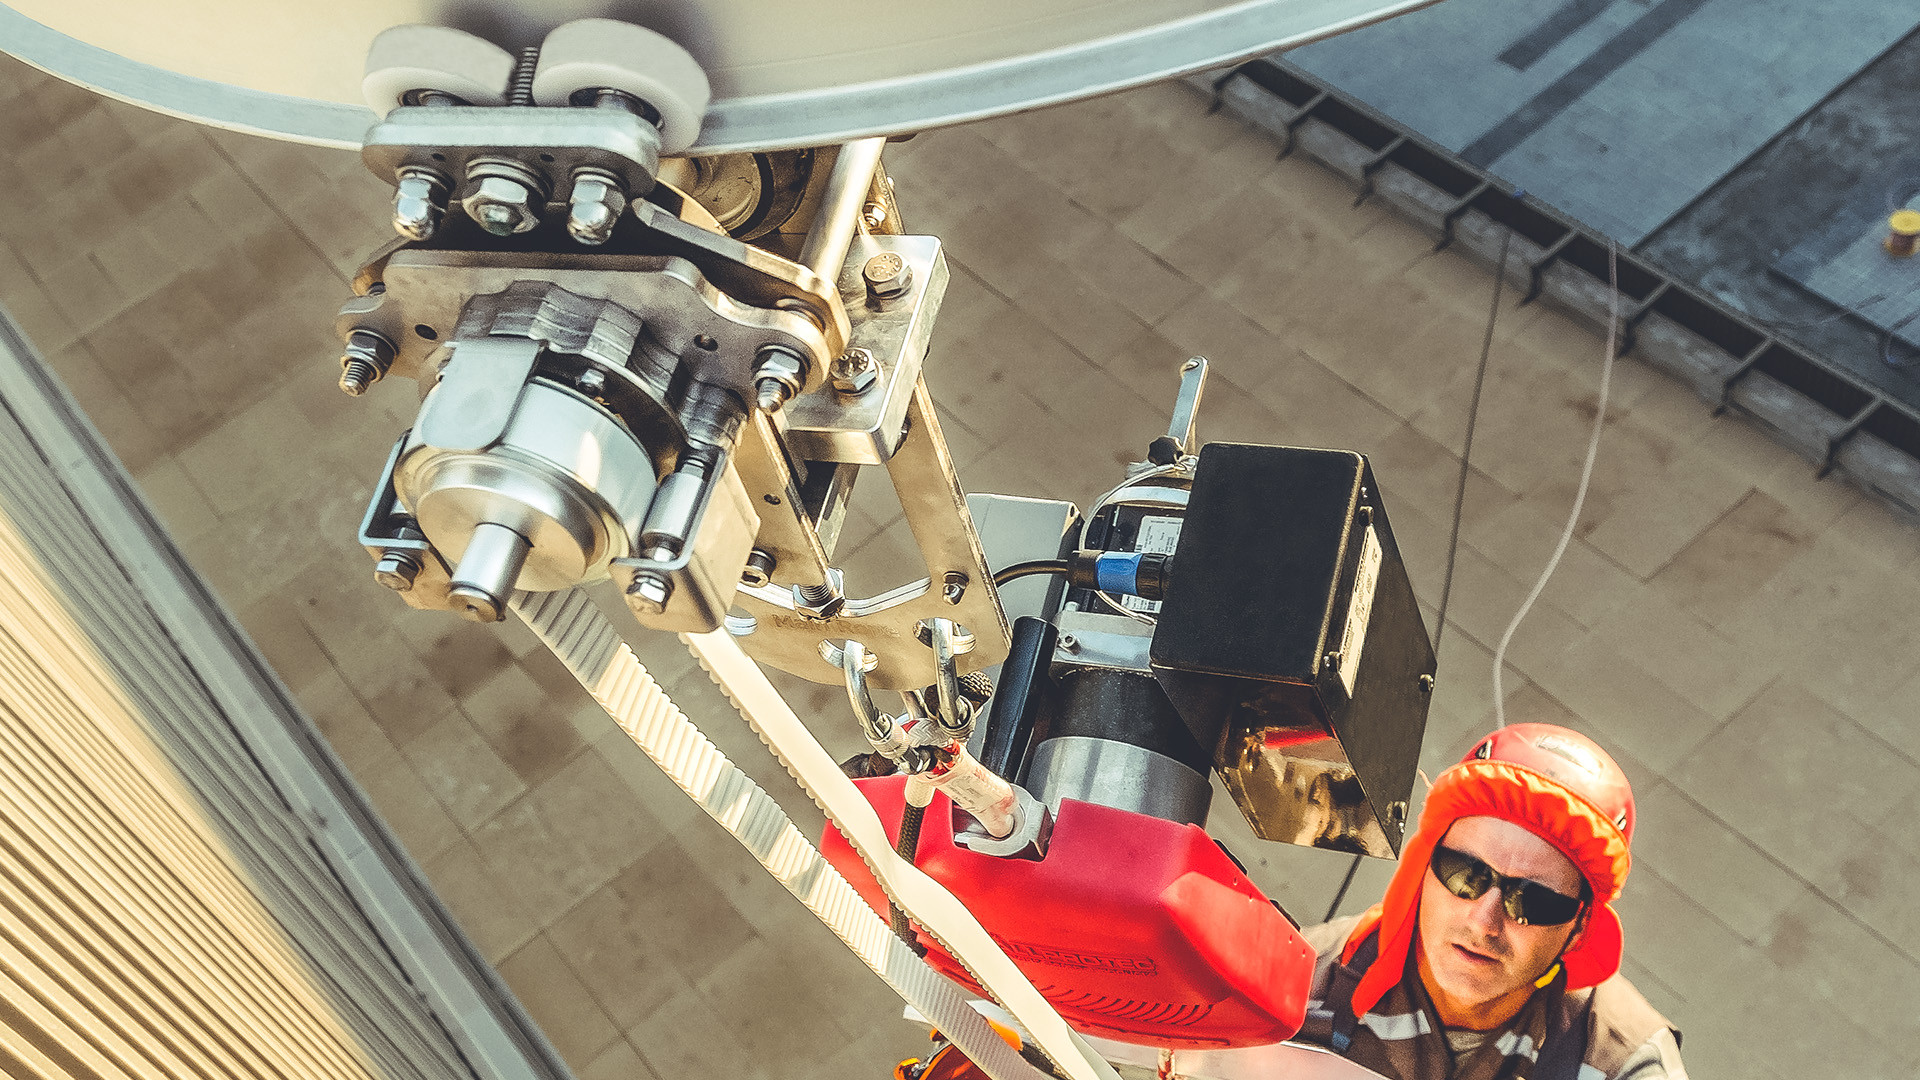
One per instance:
[(365, 361), (1069, 643), (396, 570), (853, 372), (504, 197), (649, 593), (777, 377), (874, 216), (595, 207), (954, 588), (887, 276), (419, 201), (591, 382), (759, 569)]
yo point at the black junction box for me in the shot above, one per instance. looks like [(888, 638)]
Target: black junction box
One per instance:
[(1290, 640)]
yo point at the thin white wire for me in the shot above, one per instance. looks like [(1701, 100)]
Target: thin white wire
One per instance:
[(1579, 495)]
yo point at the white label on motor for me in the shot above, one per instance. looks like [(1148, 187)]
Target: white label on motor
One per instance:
[(1366, 578), (1160, 535)]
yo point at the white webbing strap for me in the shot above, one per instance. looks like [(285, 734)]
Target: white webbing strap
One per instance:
[(583, 639)]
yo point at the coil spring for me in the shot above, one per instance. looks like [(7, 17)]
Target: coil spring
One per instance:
[(520, 89)]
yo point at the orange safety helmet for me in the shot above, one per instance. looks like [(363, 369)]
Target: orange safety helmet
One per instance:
[(1555, 783)]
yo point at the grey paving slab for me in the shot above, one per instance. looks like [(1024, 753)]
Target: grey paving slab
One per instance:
[(1620, 113)]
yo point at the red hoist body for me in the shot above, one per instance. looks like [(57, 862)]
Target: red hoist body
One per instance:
[(1135, 928)]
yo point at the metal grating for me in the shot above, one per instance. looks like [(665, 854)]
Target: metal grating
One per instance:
[(1820, 409)]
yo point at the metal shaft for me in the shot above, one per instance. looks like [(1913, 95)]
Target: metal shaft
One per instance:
[(825, 250), (484, 580)]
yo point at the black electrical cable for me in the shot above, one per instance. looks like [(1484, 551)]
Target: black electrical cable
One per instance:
[(1030, 568), (1466, 451), (1459, 497)]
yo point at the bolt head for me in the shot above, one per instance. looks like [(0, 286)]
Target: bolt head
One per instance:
[(854, 371), (887, 276), (1069, 642), (502, 206), (591, 382), (649, 594), (759, 569)]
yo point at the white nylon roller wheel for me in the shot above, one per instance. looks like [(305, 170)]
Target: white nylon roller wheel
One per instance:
[(596, 54), (405, 58)]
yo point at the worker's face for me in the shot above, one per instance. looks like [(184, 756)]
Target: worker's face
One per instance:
[(1475, 960)]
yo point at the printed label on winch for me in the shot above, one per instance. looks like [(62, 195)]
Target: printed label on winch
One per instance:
[(1074, 958), (1160, 535), (1366, 578)]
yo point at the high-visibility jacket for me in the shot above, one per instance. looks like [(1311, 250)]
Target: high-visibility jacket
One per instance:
[(1608, 1032)]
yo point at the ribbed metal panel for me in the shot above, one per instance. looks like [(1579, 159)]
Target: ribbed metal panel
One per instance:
[(188, 885)]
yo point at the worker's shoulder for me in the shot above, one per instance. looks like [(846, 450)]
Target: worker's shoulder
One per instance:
[(1328, 937), (1629, 1039), (1326, 941)]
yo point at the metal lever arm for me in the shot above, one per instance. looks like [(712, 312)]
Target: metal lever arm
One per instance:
[(1178, 441)]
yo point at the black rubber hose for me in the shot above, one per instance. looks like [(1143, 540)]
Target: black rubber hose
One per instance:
[(906, 845)]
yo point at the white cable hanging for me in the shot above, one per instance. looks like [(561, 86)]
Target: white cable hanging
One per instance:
[(1580, 493)]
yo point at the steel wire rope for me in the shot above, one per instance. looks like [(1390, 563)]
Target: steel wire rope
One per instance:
[(1459, 500)]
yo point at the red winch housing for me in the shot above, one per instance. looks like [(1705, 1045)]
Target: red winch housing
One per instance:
[(1133, 927)]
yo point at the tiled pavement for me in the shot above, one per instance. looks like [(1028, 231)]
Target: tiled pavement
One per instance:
[(1741, 635)]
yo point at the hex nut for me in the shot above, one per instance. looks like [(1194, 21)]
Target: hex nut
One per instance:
[(649, 593), (502, 206), (419, 199), (778, 375), (595, 208), (367, 357), (397, 570)]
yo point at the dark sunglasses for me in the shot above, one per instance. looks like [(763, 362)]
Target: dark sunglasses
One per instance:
[(1527, 902)]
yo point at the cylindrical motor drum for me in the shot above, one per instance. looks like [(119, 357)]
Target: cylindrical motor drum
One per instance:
[(1114, 739), (548, 506)]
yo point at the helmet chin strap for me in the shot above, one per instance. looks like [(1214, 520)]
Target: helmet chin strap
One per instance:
[(1554, 968)]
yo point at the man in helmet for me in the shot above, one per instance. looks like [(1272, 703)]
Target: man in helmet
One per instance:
[(1495, 953)]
